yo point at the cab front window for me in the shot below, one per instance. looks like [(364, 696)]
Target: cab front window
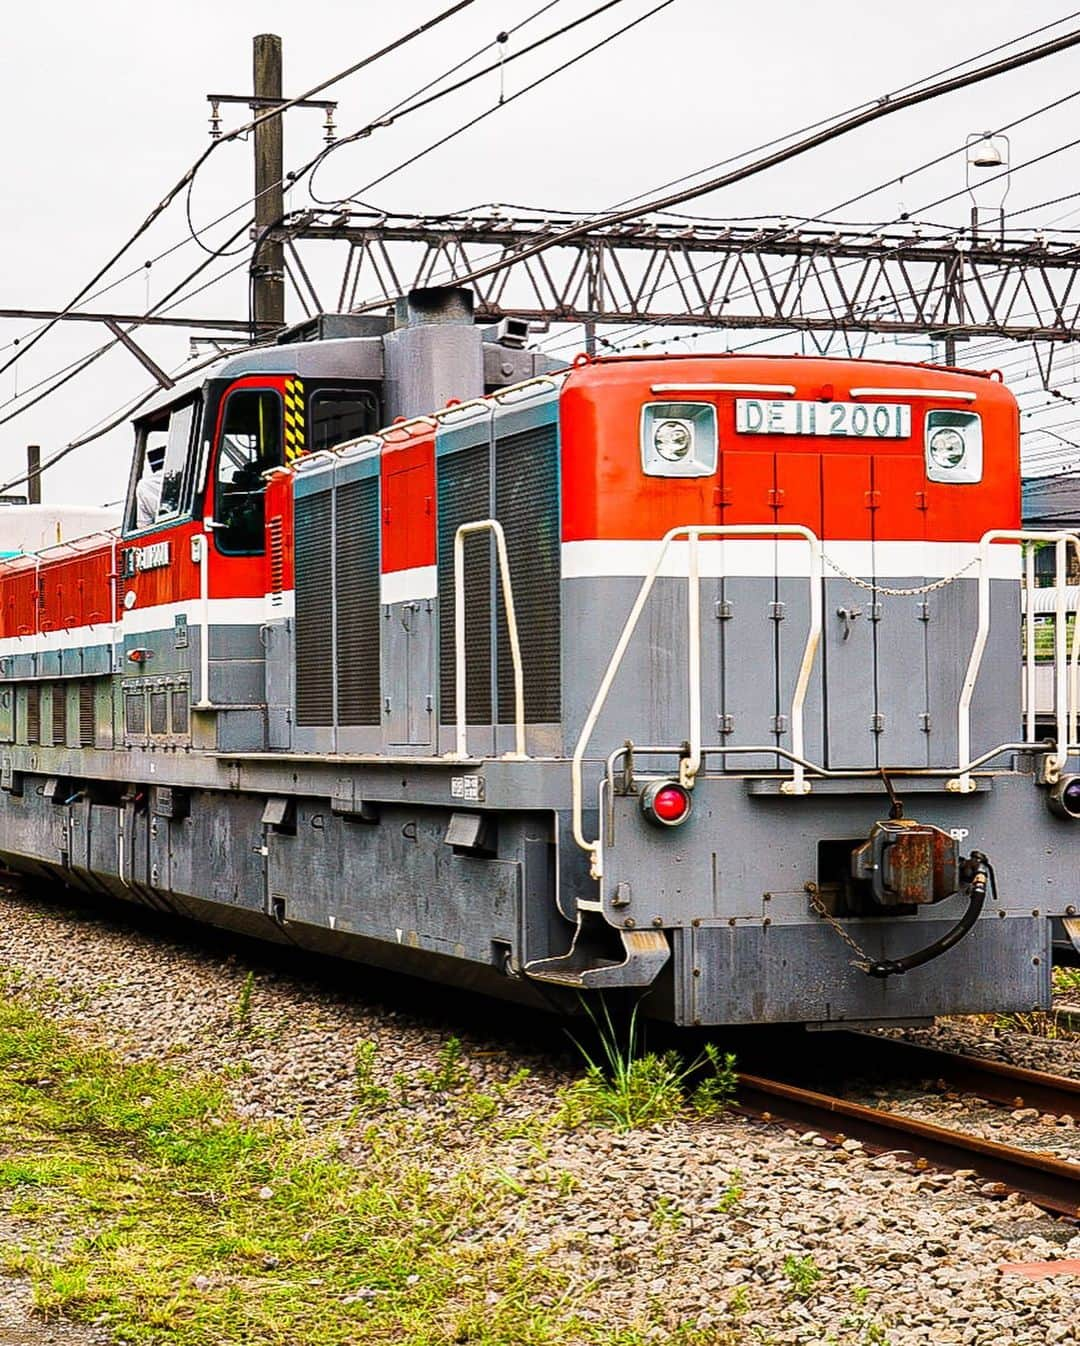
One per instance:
[(251, 438)]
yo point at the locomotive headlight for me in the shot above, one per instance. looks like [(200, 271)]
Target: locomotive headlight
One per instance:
[(678, 439), (1064, 798), (946, 447), (673, 440), (954, 446)]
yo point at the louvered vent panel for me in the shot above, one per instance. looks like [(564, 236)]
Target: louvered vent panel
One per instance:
[(33, 713), (357, 593), (463, 494), (527, 506), (59, 714), (277, 560), (86, 715), (314, 666)]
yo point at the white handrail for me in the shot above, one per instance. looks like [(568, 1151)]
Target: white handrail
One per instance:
[(1029, 643), (1065, 679), (200, 549), (691, 764), (461, 729)]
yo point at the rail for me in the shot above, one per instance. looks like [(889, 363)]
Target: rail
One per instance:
[(690, 763), (1049, 1182), (461, 727)]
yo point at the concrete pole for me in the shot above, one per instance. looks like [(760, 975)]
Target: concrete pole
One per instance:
[(268, 262), (33, 473)]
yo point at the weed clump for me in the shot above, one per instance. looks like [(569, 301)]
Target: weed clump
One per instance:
[(625, 1087), (370, 1095), (242, 1013), (802, 1275)]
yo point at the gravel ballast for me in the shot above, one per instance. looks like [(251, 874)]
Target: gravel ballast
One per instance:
[(701, 1222)]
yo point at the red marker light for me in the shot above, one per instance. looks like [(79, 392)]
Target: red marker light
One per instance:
[(666, 802)]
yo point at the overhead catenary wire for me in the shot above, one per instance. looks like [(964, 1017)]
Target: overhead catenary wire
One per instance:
[(219, 252), (886, 107), (407, 106), (228, 136), (222, 251), (292, 179), (504, 102)]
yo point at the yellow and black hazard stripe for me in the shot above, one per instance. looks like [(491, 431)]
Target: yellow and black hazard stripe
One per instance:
[(294, 419)]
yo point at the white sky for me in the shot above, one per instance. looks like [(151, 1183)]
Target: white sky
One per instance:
[(105, 108)]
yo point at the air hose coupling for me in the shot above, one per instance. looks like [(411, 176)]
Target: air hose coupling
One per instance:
[(979, 873)]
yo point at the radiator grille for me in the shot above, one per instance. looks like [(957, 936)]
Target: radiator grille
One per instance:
[(527, 506), (33, 713), (86, 715), (180, 712), (134, 714), (314, 663), (159, 713), (463, 495), (356, 584), (59, 714)]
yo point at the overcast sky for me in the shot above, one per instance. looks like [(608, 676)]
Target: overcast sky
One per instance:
[(105, 107)]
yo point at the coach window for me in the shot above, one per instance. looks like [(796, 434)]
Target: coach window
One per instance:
[(339, 415), (250, 445)]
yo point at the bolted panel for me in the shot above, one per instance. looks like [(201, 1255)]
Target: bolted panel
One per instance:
[(356, 587), (314, 656), (463, 495), (527, 506)]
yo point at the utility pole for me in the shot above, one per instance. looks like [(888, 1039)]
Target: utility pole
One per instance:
[(268, 260), (267, 270), (33, 474)]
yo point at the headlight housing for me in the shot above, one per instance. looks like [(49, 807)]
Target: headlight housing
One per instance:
[(954, 446), (678, 439)]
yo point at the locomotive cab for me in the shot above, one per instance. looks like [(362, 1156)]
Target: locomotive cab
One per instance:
[(194, 535)]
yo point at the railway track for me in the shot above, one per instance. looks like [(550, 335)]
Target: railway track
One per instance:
[(1044, 1179)]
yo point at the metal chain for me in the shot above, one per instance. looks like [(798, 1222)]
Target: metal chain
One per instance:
[(863, 960), (871, 587)]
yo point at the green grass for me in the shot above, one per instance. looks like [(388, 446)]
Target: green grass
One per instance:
[(139, 1201), (625, 1087)]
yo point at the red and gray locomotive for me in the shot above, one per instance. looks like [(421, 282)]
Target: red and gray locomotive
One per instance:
[(697, 676)]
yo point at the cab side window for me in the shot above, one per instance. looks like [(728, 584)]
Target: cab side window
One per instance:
[(164, 468), (250, 445), (338, 415)]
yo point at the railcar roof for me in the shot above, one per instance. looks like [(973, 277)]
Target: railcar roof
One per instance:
[(343, 358)]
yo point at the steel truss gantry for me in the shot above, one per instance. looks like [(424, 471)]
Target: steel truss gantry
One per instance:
[(689, 273)]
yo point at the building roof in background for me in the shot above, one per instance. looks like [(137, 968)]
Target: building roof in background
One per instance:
[(1052, 502)]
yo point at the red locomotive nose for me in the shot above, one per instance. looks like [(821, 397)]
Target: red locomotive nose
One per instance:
[(666, 802)]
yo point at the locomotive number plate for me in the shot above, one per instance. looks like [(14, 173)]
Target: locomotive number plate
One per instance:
[(847, 420)]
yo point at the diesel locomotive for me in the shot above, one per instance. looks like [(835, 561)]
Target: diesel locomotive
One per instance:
[(698, 676)]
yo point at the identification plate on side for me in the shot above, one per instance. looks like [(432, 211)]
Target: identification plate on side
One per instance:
[(843, 420)]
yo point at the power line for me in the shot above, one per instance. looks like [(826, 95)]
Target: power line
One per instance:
[(171, 195), (404, 107), (885, 107), (504, 102)]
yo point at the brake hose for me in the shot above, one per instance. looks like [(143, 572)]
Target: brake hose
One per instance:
[(982, 878)]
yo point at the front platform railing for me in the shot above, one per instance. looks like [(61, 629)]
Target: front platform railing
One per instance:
[(958, 779)]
